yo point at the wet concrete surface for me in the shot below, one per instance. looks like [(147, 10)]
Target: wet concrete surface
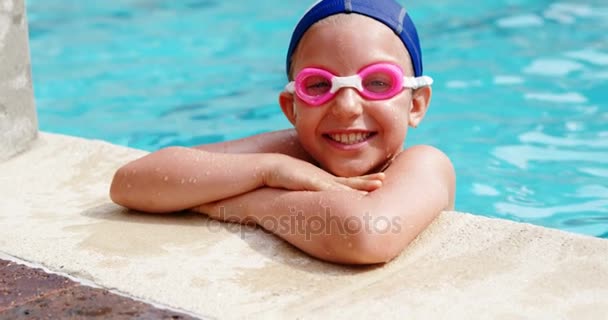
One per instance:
[(28, 293)]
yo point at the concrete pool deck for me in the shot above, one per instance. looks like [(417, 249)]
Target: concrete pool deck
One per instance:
[(55, 211)]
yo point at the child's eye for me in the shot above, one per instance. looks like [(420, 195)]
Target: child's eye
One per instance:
[(316, 86), (378, 83)]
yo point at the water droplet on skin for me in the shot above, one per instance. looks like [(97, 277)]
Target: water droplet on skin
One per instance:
[(350, 244), (207, 173), (183, 181), (129, 186), (166, 178)]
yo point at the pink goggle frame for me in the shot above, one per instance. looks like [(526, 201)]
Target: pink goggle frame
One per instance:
[(379, 81)]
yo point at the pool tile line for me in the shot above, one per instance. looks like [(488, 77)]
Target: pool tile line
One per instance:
[(31, 291)]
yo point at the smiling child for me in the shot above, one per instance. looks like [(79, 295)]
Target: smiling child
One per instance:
[(339, 185)]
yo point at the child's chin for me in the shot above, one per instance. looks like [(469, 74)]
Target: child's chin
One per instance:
[(347, 170)]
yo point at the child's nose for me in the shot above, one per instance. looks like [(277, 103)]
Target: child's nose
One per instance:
[(347, 103)]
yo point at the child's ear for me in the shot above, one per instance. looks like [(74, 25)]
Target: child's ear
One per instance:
[(287, 105), (420, 104)]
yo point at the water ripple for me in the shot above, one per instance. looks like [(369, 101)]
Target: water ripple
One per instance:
[(590, 56), (542, 138), (569, 97), (521, 155), (535, 212), (553, 67)]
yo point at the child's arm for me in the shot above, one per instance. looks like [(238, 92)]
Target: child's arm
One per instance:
[(348, 227), (176, 178)]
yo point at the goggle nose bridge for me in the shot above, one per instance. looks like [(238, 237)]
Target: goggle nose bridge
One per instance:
[(353, 81)]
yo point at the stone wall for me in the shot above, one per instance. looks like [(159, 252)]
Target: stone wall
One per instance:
[(18, 121)]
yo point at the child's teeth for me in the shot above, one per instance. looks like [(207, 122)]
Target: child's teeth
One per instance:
[(351, 138)]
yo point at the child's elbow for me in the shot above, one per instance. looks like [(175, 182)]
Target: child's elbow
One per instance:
[(118, 189), (370, 245), (372, 248)]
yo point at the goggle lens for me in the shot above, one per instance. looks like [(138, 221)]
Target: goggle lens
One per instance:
[(315, 85), (379, 82)]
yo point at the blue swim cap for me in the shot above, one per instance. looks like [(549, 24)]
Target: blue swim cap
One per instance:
[(389, 12)]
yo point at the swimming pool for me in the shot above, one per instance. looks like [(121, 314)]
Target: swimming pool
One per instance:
[(519, 100)]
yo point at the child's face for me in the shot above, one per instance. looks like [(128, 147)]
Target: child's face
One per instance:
[(379, 127)]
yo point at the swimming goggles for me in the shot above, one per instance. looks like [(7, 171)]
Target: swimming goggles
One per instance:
[(379, 81)]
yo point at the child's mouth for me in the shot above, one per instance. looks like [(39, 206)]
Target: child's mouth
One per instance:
[(350, 138)]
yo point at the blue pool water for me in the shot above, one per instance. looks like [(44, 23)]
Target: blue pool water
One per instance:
[(520, 100)]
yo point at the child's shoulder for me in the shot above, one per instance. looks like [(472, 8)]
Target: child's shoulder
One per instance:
[(423, 156), (421, 161), (424, 150), (425, 165)]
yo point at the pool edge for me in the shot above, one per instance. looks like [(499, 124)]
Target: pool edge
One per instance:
[(62, 182)]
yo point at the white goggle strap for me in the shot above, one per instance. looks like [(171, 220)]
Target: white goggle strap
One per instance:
[(417, 82), (291, 87)]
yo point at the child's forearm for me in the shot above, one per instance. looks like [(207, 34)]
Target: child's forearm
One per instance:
[(348, 226), (176, 178), (336, 226)]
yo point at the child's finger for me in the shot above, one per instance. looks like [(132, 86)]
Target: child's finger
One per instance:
[(373, 176), (364, 183), (327, 185), (361, 183)]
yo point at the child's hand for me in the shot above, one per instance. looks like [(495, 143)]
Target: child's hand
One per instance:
[(367, 183), (293, 174)]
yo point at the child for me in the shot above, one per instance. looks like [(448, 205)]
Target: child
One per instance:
[(339, 185)]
